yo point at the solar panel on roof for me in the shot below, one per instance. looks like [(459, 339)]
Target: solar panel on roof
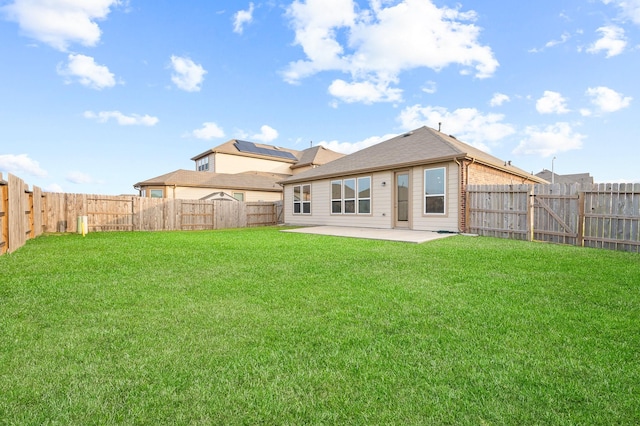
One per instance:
[(244, 146)]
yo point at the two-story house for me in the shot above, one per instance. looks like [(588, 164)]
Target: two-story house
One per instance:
[(237, 169)]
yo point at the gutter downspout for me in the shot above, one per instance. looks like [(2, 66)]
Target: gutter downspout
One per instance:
[(460, 178)]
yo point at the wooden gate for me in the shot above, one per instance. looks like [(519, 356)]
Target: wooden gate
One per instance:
[(557, 214)]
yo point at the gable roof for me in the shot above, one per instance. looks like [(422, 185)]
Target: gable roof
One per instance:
[(420, 146), (316, 155), (256, 181)]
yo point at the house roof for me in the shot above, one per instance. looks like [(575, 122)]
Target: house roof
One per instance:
[(571, 178), (311, 156), (420, 146), (316, 156), (255, 181)]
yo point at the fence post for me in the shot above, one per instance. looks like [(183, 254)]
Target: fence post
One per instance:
[(580, 231), (4, 215), (530, 212)]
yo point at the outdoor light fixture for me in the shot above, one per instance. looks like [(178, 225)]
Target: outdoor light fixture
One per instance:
[(384, 183)]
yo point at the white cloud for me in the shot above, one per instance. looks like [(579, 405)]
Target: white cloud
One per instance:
[(242, 17), (553, 139), (54, 187), (208, 131), (607, 100), (366, 92), (21, 164), (613, 41), (351, 147), (466, 124), (267, 134), (430, 87), (375, 45), (498, 99), (552, 43), (79, 178), (88, 73), (187, 75), (630, 9), (59, 23), (123, 120), (551, 103)]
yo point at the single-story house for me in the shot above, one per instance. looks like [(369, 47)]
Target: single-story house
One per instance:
[(415, 181), (243, 170)]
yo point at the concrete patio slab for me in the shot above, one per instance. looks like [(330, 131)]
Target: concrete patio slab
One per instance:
[(403, 235)]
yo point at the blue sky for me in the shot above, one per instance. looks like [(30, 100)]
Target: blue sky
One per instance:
[(100, 94)]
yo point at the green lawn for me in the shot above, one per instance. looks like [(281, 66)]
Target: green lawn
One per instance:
[(257, 326)]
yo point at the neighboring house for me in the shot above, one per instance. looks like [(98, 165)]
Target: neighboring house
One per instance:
[(582, 178), (237, 169), (416, 181)]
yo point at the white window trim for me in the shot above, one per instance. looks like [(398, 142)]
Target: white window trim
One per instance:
[(356, 199), (301, 202), (425, 195)]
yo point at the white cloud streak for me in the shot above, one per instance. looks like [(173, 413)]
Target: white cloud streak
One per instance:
[(351, 147), (122, 119), (241, 18), (267, 134), (550, 140), (551, 103), (208, 131), (187, 75), (21, 164), (467, 124), (608, 100), (498, 99), (88, 73), (375, 45), (613, 41), (60, 23)]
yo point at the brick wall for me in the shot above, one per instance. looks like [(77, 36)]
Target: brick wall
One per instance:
[(480, 174)]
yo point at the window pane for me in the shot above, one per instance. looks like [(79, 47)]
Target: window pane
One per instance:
[(349, 206), (336, 207), (349, 188), (306, 193), (434, 204), (296, 207), (434, 181), (238, 196), (336, 189), (296, 193), (156, 193), (364, 187), (364, 206), (306, 207)]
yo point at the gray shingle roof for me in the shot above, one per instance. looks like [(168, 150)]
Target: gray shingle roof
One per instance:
[(256, 181), (421, 146)]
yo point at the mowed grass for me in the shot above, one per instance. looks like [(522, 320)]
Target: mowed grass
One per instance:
[(258, 326)]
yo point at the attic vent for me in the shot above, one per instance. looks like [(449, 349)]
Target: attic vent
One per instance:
[(407, 134)]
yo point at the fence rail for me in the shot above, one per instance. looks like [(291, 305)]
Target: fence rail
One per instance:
[(599, 215), (27, 214)]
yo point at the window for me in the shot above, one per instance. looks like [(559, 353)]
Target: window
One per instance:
[(238, 196), (202, 165), (351, 196), (336, 196), (364, 195), (434, 191), (156, 193), (302, 199)]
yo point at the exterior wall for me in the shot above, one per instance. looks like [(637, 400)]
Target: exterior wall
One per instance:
[(433, 222), (190, 193), (382, 207), (479, 174), (226, 163)]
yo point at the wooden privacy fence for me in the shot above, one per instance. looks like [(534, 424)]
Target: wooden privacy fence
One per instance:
[(597, 215), (20, 213), (127, 213), (26, 214)]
